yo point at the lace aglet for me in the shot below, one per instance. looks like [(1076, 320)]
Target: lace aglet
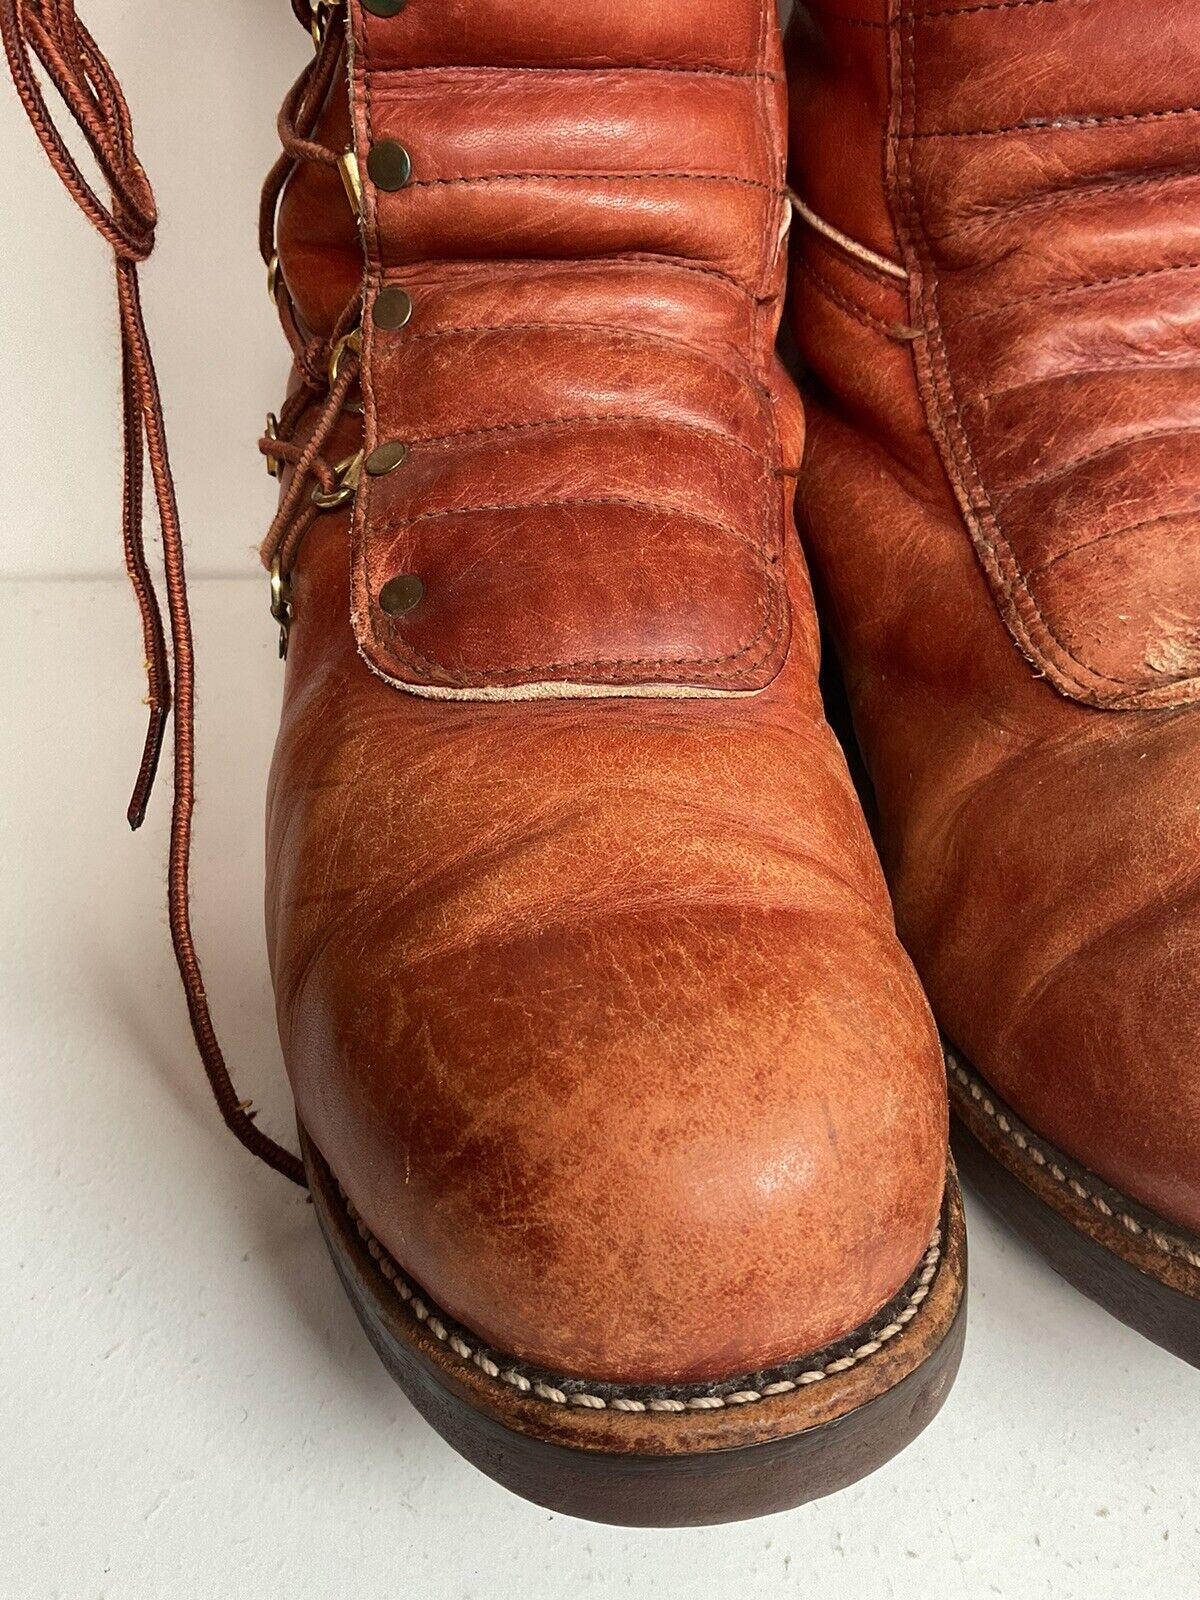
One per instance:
[(148, 769)]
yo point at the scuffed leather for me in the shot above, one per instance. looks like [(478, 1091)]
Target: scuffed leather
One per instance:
[(590, 501), (594, 1005), (1050, 221), (1043, 854)]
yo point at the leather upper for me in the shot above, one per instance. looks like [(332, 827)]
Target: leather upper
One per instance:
[(586, 976), (1032, 281), (589, 495)]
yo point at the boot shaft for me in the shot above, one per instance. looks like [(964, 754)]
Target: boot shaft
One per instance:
[(1026, 173), (570, 261)]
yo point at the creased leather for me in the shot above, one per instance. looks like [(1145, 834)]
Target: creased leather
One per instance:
[(595, 1006), (1043, 854), (1050, 220), (605, 570)]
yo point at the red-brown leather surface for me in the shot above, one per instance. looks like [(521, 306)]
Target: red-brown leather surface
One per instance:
[(592, 502), (1051, 219), (594, 1005), (1043, 854)]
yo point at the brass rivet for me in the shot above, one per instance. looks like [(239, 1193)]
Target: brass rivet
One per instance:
[(389, 165), (384, 8), (401, 594), (387, 457), (392, 309)]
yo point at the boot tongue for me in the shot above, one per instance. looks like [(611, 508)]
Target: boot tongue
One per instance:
[(1051, 222), (573, 258)]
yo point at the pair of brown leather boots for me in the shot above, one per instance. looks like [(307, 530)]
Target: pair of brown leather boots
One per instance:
[(622, 1107)]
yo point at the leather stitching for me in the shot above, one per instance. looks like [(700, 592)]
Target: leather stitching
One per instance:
[(613, 69), (584, 420), (1098, 190), (774, 601), (740, 373), (772, 610), (1064, 290), (947, 409), (1057, 124), (1045, 1156), (591, 177), (1115, 533), (1096, 455), (747, 1389), (890, 330), (939, 12)]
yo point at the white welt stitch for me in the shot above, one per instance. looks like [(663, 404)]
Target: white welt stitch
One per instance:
[(591, 1402), (1161, 1241)]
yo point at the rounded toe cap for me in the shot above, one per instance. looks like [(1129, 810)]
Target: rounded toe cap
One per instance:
[(661, 1148)]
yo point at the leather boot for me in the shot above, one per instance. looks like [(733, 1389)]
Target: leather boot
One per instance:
[(622, 1109), (997, 299)]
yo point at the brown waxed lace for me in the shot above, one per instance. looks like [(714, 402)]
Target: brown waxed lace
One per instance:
[(50, 32)]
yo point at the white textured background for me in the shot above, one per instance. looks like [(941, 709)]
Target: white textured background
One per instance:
[(187, 1408)]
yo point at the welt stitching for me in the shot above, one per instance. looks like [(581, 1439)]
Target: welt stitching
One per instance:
[(1056, 124), (852, 308), (585, 418), (1096, 455), (991, 533), (1116, 533), (1044, 1156), (561, 1391), (594, 177), (1062, 291)]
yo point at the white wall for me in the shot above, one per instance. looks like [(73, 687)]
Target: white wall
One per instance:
[(204, 82)]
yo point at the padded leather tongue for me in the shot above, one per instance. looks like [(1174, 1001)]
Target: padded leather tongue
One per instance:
[(565, 306)]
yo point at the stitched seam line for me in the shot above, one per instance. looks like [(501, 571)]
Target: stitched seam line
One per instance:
[(1091, 191), (852, 308), (587, 418), (590, 177), (1066, 289), (1097, 455), (630, 335), (1186, 514), (1006, 572), (1044, 1155), (622, 1397), (773, 609), (617, 71), (925, 16), (1056, 124)]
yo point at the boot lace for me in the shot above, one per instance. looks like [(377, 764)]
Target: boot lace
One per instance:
[(50, 33)]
